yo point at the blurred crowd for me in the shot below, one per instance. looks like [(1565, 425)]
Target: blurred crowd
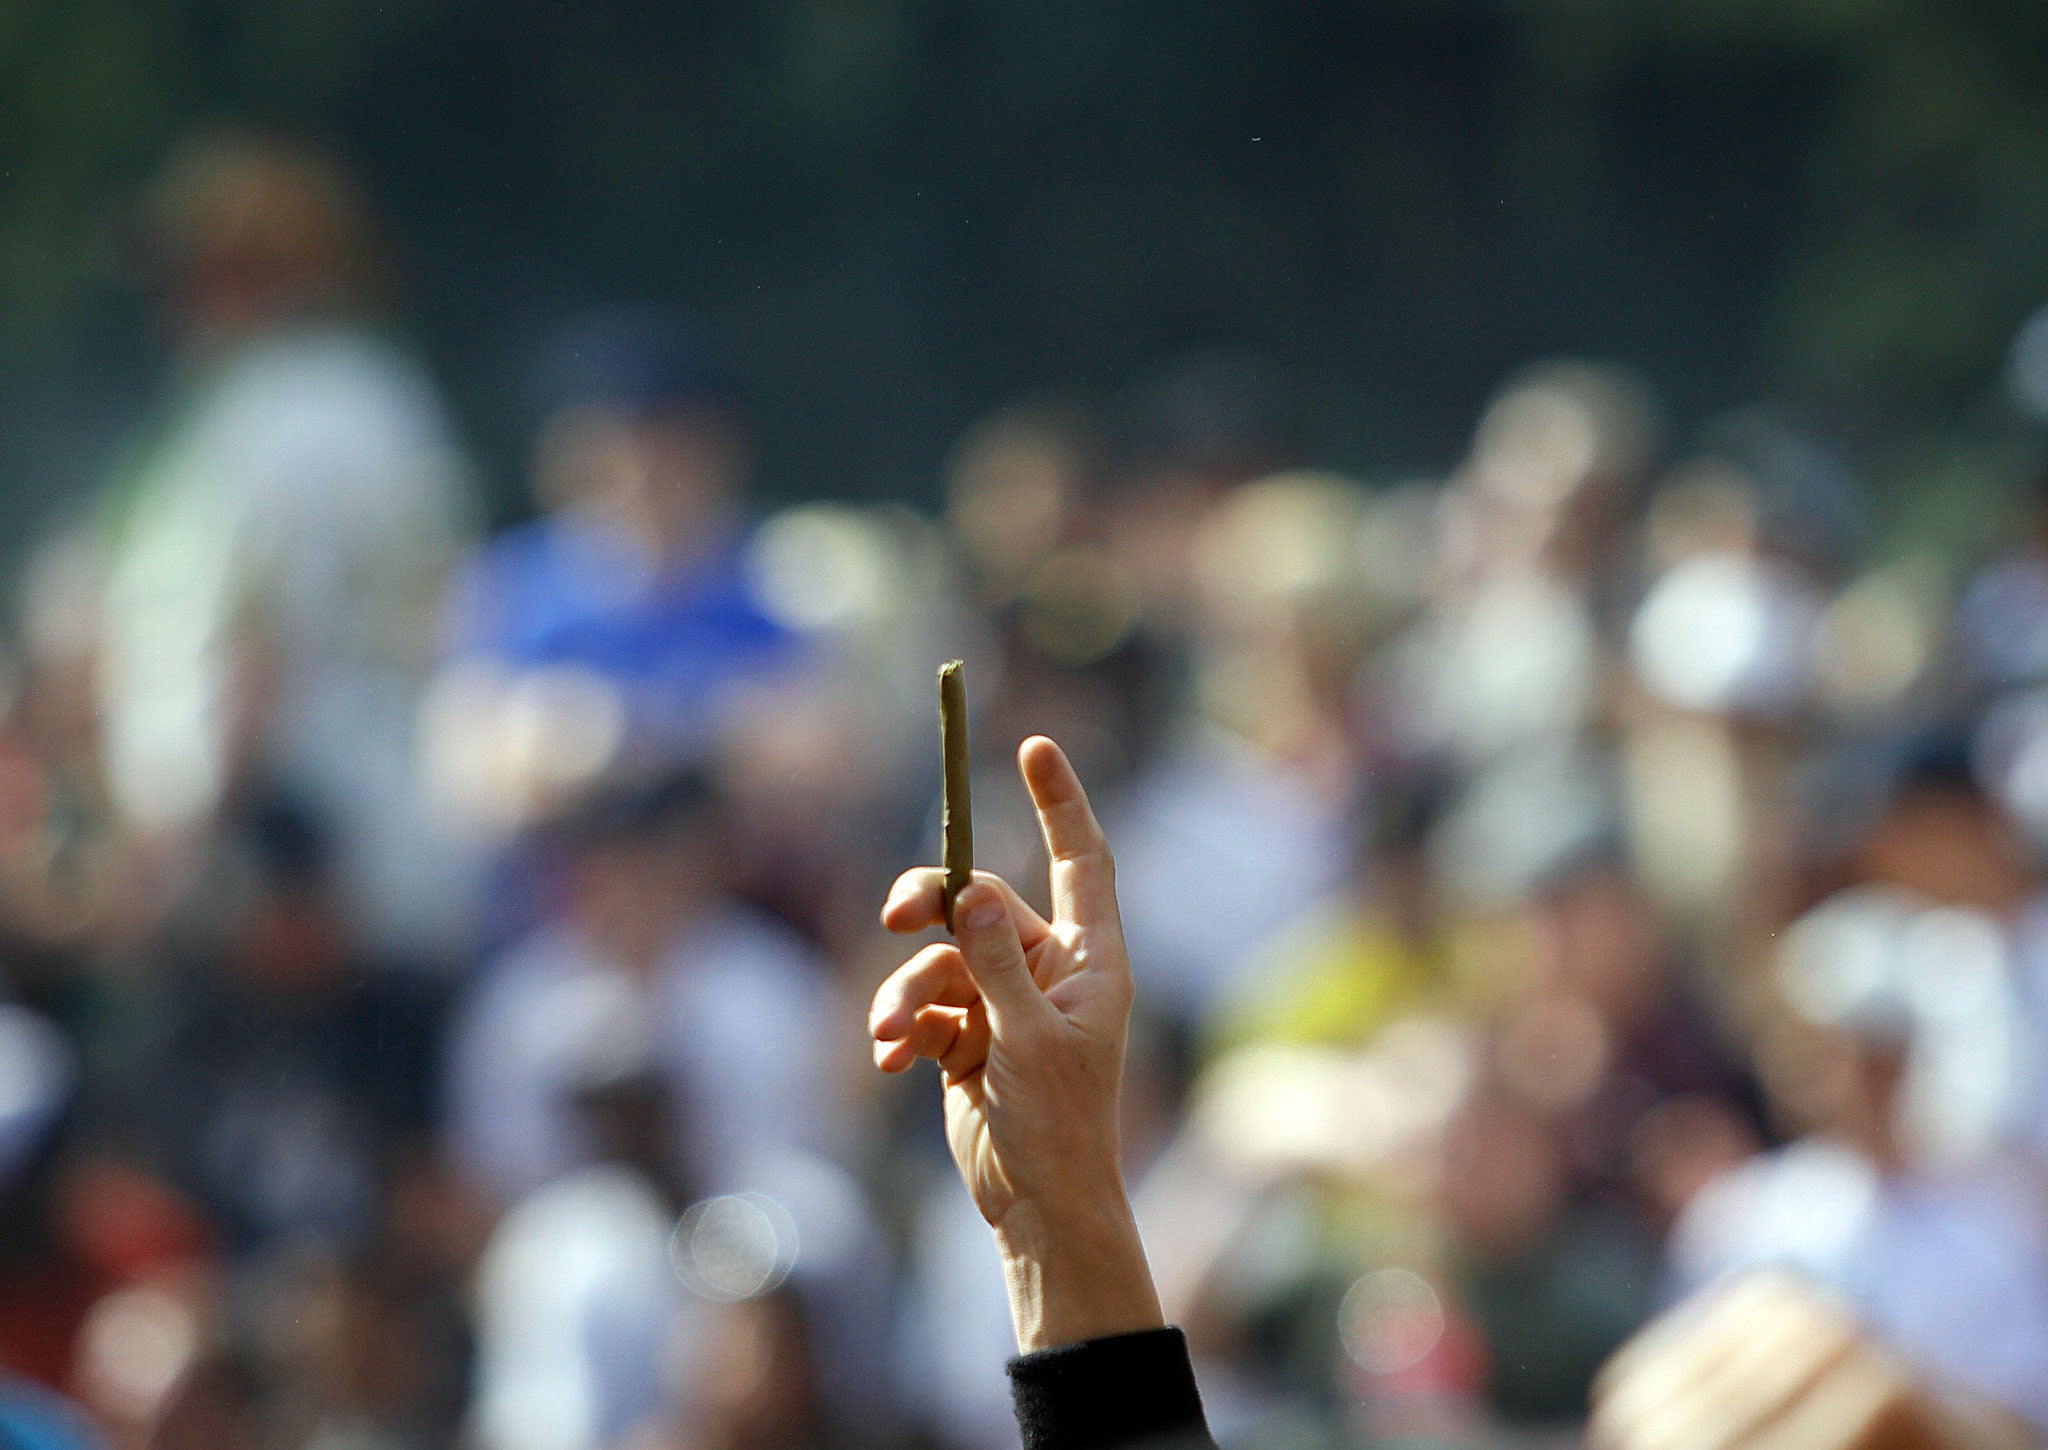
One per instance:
[(432, 963)]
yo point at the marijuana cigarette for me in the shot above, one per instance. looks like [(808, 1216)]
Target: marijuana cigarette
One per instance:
[(956, 819)]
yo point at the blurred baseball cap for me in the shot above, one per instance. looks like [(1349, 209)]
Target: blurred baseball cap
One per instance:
[(636, 360)]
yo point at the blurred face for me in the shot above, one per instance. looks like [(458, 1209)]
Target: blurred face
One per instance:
[(670, 479), (253, 231), (290, 944), (632, 893), (631, 1123), (1603, 945), (1826, 1081), (757, 1389), (228, 296), (1009, 503), (1503, 1177), (1951, 845), (1151, 529), (1682, 1146)]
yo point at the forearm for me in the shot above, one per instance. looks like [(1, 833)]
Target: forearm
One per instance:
[(1099, 1369), (1076, 1272)]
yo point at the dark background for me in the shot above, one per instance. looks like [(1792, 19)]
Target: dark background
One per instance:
[(897, 213)]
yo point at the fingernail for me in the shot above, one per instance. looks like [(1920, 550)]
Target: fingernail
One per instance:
[(984, 912)]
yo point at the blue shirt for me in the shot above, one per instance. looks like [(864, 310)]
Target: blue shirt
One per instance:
[(566, 591), (32, 1418)]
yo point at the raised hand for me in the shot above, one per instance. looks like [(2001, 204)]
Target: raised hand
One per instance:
[(1026, 1019)]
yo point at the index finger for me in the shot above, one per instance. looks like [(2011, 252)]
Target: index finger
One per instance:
[(917, 901), (1083, 874)]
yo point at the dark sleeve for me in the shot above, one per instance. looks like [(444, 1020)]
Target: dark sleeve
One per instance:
[(1107, 1394)]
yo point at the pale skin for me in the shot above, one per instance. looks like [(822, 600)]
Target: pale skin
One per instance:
[(1026, 1019)]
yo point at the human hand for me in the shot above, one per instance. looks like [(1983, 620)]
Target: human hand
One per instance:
[(1770, 1362), (1027, 1019)]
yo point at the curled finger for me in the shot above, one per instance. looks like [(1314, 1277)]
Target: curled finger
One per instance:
[(933, 1032), (936, 976), (965, 1054)]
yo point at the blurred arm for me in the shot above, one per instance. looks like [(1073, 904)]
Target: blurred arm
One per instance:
[(1769, 1362)]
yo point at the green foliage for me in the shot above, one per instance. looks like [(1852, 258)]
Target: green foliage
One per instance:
[(900, 209), (87, 90)]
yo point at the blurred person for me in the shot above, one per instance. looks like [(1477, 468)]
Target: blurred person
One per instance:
[(1943, 839), (1378, 949), (1258, 839), (1182, 438), (287, 1068), (1064, 648), (1508, 653), (85, 1240), (757, 1389), (1896, 1193), (576, 1299), (1026, 1018), (149, 1257), (1938, 833), (1609, 1039), (1549, 1282), (79, 1227), (643, 929), (1017, 483), (606, 1322), (314, 1348), (1548, 483), (1242, 816), (834, 756), (2002, 614), (629, 619), (1742, 653), (276, 548), (633, 578), (67, 875)]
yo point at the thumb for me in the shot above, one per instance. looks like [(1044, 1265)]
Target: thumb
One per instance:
[(995, 957)]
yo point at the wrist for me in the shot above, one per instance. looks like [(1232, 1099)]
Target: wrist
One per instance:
[(1076, 1271)]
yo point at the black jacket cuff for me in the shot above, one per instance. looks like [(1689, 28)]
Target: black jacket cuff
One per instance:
[(1110, 1394)]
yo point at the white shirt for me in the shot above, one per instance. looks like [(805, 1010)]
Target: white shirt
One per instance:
[(740, 1022), (1218, 848), (585, 1334), (314, 484), (1951, 1269)]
